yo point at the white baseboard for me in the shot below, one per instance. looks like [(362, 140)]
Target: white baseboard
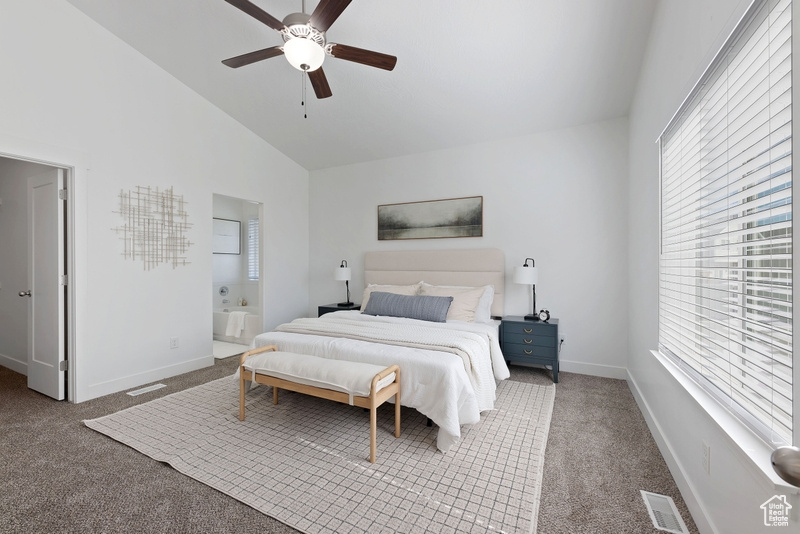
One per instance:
[(676, 468), (581, 368), (14, 365), (593, 369), (133, 381)]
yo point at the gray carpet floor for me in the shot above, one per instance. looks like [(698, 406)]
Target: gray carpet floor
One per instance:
[(60, 476)]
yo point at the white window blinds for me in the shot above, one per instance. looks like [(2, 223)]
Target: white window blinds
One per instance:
[(252, 249), (725, 272)]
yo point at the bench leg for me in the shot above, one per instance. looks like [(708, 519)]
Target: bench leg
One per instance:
[(241, 394), (274, 394), (373, 431), (397, 415)]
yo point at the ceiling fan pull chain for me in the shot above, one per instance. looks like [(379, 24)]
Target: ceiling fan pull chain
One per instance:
[(303, 91)]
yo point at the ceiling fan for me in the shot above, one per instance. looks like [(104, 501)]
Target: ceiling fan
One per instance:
[(304, 43)]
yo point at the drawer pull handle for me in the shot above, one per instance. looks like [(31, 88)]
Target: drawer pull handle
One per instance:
[(526, 351), (528, 341), (527, 330)]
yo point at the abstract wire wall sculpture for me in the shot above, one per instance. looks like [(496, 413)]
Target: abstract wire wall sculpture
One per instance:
[(155, 226)]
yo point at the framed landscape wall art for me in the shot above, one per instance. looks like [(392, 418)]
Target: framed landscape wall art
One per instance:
[(452, 217)]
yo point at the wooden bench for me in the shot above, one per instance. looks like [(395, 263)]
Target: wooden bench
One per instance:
[(354, 383)]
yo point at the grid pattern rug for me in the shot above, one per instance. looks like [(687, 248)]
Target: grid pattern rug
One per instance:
[(305, 460)]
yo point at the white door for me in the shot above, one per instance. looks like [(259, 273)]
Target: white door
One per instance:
[(46, 331)]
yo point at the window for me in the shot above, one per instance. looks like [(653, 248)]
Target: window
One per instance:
[(725, 269), (252, 249)]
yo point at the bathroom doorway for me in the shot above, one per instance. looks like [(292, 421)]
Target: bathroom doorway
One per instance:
[(237, 274)]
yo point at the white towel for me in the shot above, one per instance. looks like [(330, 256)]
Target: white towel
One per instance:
[(235, 323)]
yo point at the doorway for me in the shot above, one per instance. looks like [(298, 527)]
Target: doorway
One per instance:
[(237, 274), (35, 294)]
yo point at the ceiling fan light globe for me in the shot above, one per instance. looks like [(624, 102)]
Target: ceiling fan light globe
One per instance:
[(304, 54)]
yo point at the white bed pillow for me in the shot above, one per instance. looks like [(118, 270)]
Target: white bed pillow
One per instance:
[(412, 289), (465, 300), (483, 310)]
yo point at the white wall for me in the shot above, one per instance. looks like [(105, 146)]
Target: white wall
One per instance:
[(14, 262), (74, 89), (558, 197), (686, 34)]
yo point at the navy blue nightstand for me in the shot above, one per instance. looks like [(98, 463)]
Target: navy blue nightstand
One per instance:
[(533, 342)]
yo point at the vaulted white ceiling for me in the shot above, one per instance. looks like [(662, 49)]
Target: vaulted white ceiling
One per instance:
[(468, 71)]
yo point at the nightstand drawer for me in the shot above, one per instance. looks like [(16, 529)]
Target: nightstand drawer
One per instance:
[(528, 328), (513, 350), (530, 339)]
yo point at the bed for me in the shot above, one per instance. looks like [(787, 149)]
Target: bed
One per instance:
[(450, 369)]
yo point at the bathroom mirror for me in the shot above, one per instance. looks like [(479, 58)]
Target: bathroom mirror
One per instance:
[(227, 237)]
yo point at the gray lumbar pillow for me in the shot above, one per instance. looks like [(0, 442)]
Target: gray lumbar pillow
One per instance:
[(423, 307)]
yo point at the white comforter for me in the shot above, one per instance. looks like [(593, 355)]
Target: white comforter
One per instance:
[(449, 370)]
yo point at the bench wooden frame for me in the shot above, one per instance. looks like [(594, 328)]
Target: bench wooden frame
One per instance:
[(375, 398)]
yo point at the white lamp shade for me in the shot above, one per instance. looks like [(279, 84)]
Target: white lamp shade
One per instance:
[(304, 54), (526, 275), (342, 274)]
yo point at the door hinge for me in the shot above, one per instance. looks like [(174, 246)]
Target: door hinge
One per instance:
[(62, 194), (64, 279), (63, 365)]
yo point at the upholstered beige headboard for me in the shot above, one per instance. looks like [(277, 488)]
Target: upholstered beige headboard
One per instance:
[(461, 267)]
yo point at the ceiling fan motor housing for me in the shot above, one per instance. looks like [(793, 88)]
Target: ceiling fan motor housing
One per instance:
[(297, 26)]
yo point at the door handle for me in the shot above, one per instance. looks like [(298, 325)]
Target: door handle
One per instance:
[(25, 293)]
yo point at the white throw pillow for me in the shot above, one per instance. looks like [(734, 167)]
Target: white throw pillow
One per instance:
[(465, 300), (412, 289), (483, 312)]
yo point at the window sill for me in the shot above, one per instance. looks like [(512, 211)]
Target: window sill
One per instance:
[(753, 450)]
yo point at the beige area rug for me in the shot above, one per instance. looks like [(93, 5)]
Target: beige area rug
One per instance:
[(305, 460)]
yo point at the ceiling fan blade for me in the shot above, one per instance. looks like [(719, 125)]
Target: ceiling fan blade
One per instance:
[(326, 13), (252, 57), (365, 57), (320, 83), (257, 13)]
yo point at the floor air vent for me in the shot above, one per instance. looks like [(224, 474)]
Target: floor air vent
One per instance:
[(663, 513), (148, 389)]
